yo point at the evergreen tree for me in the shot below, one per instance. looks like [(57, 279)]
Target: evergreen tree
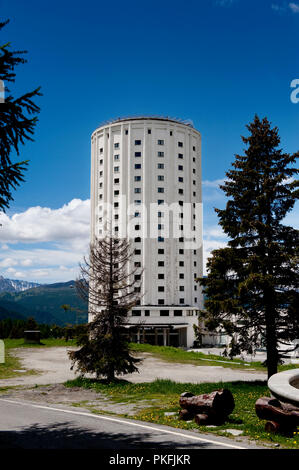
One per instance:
[(17, 123), (111, 289), (252, 284)]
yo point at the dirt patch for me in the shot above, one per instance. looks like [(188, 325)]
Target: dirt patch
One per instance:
[(76, 396)]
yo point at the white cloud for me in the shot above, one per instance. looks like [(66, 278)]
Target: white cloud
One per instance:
[(294, 7), (212, 184), (63, 234)]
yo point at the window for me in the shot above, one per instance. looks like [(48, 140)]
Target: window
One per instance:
[(116, 217), (160, 276), (181, 263), (181, 239), (160, 178), (149, 131), (137, 190), (160, 263), (137, 227), (160, 142), (137, 202), (194, 182), (116, 180), (180, 155), (160, 301), (116, 192), (115, 204), (137, 178), (182, 288), (161, 166), (160, 201), (137, 264), (101, 185), (170, 133), (195, 299), (160, 226), (116, 145), (137, 214), (181, 191), (137, 239), (180, 167), (160, 214), (178, 313), (194, 193), (137, 252), (195, 287), (181, 203), (182, 275), (101, 161), (180, 144), (101, 150), (160, 239), (194, 263), (116, 229), (182, 301), (137, 277), (137, 154), (160, 288), (164, 313), (116, 169), (101, 196), (137, 289), (136, 313), (137, 166), (160, 251), (181, 179), (181, 227), (137, 142), (160, 190), (194, 148), (160, 154), (126, 131), (116, 157), (146, 313), (101, 173), (181, 251)]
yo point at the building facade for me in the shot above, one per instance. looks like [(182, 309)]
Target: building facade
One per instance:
[(146, 183)]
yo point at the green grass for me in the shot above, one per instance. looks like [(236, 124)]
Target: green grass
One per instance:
[(164, 395), (47, 342), (171, 354)]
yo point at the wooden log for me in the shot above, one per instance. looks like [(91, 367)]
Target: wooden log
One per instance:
[(186, 415), (219, 403), (201, 419), (272, 426), (272, 410)]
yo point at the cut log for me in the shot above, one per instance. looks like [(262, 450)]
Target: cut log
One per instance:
[(272, 426), (201, 419), (219, 403), (186, 415), (272, 410)]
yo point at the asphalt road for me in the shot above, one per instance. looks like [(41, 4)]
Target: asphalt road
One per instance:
[(25, 425)]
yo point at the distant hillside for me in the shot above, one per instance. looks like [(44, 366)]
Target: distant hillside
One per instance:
[(13, 285), (44, 304)]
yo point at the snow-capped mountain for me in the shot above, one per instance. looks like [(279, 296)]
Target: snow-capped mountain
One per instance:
[(13, 285)]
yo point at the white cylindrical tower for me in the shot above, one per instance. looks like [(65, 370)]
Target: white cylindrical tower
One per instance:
[(149, 170)]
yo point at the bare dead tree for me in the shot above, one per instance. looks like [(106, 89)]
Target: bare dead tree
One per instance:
[(112, 288)]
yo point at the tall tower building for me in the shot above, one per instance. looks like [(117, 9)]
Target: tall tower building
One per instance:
[(146, 181)]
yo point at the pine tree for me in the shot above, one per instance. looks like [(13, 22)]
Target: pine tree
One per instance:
[(252, 284), (17, 123), (111, 289)]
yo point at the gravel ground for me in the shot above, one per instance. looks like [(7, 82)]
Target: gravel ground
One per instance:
[(54, 365)]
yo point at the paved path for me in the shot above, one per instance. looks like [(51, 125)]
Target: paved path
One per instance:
[(25, 425), (55, 368)]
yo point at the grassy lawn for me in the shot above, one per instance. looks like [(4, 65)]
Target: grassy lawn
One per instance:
[(170, 354), (163, 395), (12, 364)]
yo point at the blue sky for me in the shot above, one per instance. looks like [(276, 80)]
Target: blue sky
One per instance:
[(216, 62)]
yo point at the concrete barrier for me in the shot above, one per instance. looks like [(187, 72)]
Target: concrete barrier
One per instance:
[(285, 386)]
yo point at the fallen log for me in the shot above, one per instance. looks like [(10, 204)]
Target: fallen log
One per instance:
[(202, 419), (273, 410), (186, 415), (218, 404)]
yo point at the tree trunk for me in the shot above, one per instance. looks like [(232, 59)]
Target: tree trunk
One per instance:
[(272, 410), (219, 403)]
